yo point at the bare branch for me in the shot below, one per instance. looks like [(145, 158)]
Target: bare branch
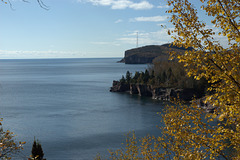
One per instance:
[(25, 1), (10, 5), (40, 2)]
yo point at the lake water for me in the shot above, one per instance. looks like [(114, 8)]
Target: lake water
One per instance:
[(67, 106)]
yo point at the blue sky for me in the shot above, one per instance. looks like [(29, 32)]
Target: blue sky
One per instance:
[(80, 28)]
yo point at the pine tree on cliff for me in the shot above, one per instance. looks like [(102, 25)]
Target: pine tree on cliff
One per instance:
[(146, 76), (135, 78), (128, 77), (123, 80), (141, 78)]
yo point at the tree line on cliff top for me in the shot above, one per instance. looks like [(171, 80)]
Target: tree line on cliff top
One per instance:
[(165, 74)]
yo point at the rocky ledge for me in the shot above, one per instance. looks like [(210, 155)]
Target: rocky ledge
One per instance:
[(165, 94), (159, 93)]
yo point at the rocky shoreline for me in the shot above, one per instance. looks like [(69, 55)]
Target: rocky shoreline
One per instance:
[(164, 94), (158, 93)]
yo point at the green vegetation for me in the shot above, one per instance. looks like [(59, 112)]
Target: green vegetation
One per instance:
[(166, 74), (37, 152)]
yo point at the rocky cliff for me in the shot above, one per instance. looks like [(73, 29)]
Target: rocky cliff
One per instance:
[(165, 94), (147, 54), (159, 93)]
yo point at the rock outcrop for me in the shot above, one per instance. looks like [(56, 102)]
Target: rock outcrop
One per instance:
[(119, 87), (144, 90), (133, 89), (147, 54), (158, 93)]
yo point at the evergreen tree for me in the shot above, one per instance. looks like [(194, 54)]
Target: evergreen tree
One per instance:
[(146, 76), (140, 78), (34, 148), (37, 152), (128, 77), (123, 80), (136, 76)]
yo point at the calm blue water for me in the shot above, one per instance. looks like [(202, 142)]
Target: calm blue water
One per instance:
[(66, 104)]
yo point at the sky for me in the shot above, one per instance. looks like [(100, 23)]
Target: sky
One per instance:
[(80, 28)]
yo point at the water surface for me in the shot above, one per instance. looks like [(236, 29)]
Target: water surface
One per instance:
[(66, 104)]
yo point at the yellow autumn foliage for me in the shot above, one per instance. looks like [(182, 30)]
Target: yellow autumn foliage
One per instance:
[(210, 60), (8, 146), (189, 132)]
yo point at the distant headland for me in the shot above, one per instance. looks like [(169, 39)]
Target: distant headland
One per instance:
[(147, 54), (164, 80)]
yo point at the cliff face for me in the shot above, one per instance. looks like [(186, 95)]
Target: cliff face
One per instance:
[(165, 94), (135, 59), (147, 54), (159, 93), (119, 87)]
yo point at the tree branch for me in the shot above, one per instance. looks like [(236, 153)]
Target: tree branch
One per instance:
[(40, 2), (233, 23)]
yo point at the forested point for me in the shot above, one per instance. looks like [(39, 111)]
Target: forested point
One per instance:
[(166, 75)]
